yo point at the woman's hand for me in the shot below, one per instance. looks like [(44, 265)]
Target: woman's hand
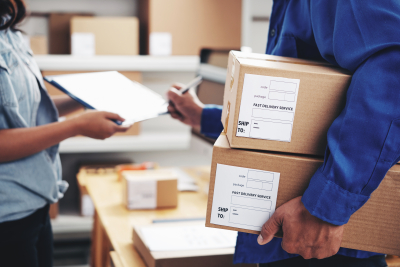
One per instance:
[(185, 107), (98, 124)]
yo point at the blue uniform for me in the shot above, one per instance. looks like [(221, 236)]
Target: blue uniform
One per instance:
[(364, 141)]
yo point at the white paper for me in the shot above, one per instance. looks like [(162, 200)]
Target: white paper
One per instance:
[(83, 44), (267, 108), (185, 181), (160, 44), (142, 194), (243, 198), (194, 237), (113, 92)]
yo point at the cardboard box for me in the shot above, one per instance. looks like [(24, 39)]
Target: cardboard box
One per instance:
[(374, 227), (39, 44), (281, 104), (53, 211), (112, 35), (53, 91), (60, 33), (193, 258), (150, 189), (178, 27)]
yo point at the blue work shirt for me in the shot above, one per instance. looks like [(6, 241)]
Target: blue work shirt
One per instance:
[(29, 183), (364, 141)]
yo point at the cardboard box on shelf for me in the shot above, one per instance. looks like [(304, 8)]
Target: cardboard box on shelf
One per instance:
[(180, 258), (60, 33), (53, 211), (150, 189), (245, 187), (281, 104), (112, 35), (132, 75), (200, 23), (39, 44)]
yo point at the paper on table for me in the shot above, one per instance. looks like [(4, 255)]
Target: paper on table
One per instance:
[(113, 92), (191, 237)]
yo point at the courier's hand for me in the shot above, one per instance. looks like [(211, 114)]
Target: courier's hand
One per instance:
[(98, 124), (185, 107), (303, 233)]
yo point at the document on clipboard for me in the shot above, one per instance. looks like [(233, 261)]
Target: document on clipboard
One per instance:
[(113, 92)]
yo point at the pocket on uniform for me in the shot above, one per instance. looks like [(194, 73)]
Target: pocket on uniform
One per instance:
[(13, 87)]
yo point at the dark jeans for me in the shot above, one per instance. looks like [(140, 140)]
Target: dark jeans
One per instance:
[(334, 261), (27, 242)]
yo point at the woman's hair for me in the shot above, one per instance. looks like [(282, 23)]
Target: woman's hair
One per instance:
[(12, 12)]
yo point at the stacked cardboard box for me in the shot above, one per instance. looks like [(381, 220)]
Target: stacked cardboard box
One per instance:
[(177, 27), (277, 111)]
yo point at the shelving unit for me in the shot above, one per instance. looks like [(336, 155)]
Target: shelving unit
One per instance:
[(146, 141), (119, 63)]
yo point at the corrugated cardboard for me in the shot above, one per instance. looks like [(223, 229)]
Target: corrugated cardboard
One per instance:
[(166, 186), (374, 227), (193, 258), (193, 24), (59, 32), (321, 98), (113, 35), (53, 91)]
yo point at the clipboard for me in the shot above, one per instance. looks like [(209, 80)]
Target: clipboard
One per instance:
[(113, 92)]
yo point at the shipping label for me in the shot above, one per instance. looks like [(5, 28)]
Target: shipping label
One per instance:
[(243, 198), (267, 107)]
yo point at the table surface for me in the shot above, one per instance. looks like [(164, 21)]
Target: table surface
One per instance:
[(106, 193)]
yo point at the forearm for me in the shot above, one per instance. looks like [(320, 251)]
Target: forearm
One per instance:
[(22, 142), (65, 105)]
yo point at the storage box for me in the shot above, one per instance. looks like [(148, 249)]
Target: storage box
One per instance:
[(39, 44), (244, 184), (281, 104), (150, 189), (112, 35), (53, 91), (177, 27), (60, 33), (183, 258)]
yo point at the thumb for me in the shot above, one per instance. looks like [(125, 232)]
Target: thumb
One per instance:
[(113, 116), (269, 229)]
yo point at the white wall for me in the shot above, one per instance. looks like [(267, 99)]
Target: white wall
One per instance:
[(254, 28)]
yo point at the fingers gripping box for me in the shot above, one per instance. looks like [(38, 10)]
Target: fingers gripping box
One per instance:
[(247, 186), (281, 104)]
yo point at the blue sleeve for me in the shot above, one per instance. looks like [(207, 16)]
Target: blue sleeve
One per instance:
[(211, 125), (364, 141)]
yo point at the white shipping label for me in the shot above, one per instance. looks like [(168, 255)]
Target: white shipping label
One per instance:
[(243, 198), (160, 44), (83, 44), (267, 107), (142, 194)]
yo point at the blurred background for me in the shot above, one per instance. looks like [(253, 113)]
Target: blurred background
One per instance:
[(157, 43)]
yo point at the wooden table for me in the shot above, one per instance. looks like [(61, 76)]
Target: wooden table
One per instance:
[(113, 223)]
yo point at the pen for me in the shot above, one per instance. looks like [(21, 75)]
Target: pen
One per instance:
[(195, 82)]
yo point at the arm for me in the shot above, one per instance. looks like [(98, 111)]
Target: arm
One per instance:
[(188, 109), (65, 105), (18, 143), (363, 142)]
